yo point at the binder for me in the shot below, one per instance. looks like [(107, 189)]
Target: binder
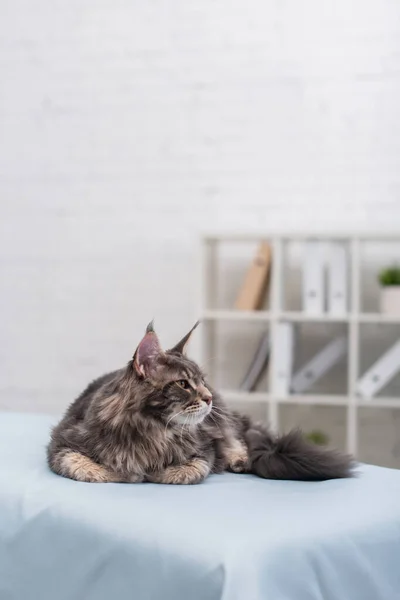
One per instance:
[(313, 278), (380, 373), (283, 359), (258, 364), (320, 364), (337, 279), (252, 293)]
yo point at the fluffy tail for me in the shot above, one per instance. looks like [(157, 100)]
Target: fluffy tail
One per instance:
[(290, 456)]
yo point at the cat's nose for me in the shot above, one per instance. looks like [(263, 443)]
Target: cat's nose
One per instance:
[(204, 394)]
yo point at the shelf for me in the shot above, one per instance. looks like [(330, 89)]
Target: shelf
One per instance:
[(236, 315), (379, 403), (264, 315), (327, 318), (238, 396), (297, 317), (378, 318), (354, 320), (302, 317), (301, 237), (320, 400)]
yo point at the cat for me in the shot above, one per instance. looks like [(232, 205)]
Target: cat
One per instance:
[(158, 420)]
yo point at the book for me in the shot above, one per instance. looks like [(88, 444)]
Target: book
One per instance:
[(283, 359), (313, 278), (337, 279), (252, 292), (320, 364), (380, 373), (258, 364)]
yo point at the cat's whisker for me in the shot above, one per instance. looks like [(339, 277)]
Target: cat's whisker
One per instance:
[(183, 425), (212, 417), (218, 411), (221, 408), (214, 421), (172, 417), (188, 427)]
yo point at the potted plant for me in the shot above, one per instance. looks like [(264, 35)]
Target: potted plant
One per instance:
[(317, 437), (389, 279)]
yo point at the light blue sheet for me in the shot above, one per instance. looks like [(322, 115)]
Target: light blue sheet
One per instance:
[(234, 537)]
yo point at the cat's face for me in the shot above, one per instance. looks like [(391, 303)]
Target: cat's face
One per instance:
[(178, 394)]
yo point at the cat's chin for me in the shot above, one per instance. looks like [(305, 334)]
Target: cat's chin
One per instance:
[(193, 418)]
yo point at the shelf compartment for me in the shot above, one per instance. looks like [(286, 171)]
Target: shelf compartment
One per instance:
[(379, 435), (375, 341), (234, 350), (329, 419)]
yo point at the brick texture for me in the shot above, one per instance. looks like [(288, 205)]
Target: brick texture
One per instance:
[(129, 127)]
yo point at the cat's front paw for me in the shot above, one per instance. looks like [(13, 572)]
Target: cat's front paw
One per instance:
[(193, 472)]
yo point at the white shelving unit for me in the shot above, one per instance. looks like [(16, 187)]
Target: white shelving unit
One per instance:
[(277, 313)]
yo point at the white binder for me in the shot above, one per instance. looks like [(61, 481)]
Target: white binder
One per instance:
[(320, 364), (380, 373), (313, 278), (283, 359), (337, 279)]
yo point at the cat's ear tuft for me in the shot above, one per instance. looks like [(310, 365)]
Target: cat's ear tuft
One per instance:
[(182, 345), (147, 353), (150, 327)]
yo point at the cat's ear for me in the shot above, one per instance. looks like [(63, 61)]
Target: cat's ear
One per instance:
[(147, 353), (182, 345)]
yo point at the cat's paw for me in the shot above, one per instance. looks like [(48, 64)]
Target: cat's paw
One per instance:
[(239, 465), (193, 472), (238, 459), (81, 468)]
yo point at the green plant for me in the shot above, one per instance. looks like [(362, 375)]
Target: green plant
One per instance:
[(317, 437), (390, 276)]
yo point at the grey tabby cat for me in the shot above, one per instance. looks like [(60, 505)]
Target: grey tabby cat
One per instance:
[(158, 420)]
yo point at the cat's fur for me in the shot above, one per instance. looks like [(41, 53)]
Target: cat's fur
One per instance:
[(141, 424)]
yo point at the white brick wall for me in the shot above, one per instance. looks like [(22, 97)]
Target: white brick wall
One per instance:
[(128, 127)]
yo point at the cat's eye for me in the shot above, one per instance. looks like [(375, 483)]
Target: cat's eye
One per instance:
[(183, 384)]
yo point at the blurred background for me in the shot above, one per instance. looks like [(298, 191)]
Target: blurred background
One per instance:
[(129, 129)]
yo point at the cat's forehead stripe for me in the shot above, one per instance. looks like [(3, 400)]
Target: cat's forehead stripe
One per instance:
[(189, 374)]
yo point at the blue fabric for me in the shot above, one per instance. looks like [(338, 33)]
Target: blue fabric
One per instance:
[(233, 537)]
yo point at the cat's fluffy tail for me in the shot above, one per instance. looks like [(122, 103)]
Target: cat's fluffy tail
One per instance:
[(290, 456)]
